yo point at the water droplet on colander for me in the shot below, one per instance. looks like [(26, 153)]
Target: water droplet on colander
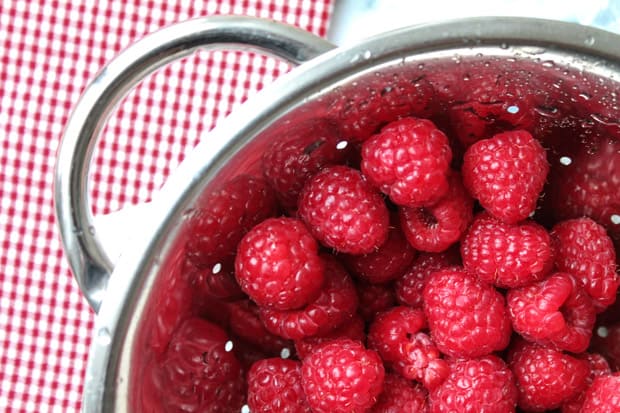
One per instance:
[(565, 160), (103, 336), (78, 232), (615, 219), (367, 54), (589, 41), (548, 64), (91, 230), (503, 46)]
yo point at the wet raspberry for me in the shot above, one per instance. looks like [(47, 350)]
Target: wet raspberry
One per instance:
[(396, 335), (506, 174), (585, 250), (199, 372), (482, 384), (466, 317), (507, 255), (278, 265), (409, 160), (410, 287), (400, 395), (374, 298), (224, 216), (274, 385), (343, 211), (342, 376), (353, 329), (336, 304), (555, 311), (598, 367), (387, 262), (603, 396), (435, 228), (545, 377)]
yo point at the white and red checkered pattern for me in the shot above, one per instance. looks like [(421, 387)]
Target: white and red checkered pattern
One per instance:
[(49, 50)]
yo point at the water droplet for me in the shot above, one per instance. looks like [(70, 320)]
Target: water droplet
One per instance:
[(367, 54), (466, 77), (589, 41), (532, 50), (228, 346), (602, 332), (421, 66), (103, 336), (584, 96), (548, 112), (615, 219), (245, 409), (566, 160), (512, 109), (548, 64), (91, 230), (78, 232), (216, 268), (341, 145), (285, 353), (503, 46)]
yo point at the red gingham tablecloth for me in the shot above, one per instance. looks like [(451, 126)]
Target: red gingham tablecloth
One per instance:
[(50, 50)]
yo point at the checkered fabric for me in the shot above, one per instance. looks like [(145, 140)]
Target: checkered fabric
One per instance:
[(49, 51)]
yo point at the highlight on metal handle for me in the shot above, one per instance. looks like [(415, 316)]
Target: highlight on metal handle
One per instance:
[(87, 256)]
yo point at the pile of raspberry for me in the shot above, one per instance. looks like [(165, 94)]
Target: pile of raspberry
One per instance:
[(385, 276)]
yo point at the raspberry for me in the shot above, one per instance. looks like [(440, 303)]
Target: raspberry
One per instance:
[(598, 367), (343, 211), (374, 298), (585, 250), (507, 255), (278, 265), (224, 216), (482, 384), (588, 186), (555, 311), (288, 163), (436, 228), (603, 396), (337, 302), (410, 287), (545, 377), (400, 395), (506, 173), (353, 329), (342, 376), (198, 373), (387, 262), (409, 160), (274, 385), (466, 317), (245, 323), (218, 282), (396, 335)]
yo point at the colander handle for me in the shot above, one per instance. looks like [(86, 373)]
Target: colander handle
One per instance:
[(86, 253)]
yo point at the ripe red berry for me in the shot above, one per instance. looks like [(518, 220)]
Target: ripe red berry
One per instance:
[(585, 250), (410, 287), (482, 384), (343, 211), (507, 255), (289, 163), (336, 304), (400, 395), (387, 262), (278, 265), (352, 329), (396, 335), (435, 228), (467, 318), (506, 173), (603, 396), (374, 298), (199, 372), (274, 385), (342, 376), (598, 367), (555, 311), (409, 160), (545, 377), (224, 216)]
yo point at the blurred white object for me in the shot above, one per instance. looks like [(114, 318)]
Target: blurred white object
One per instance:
[(353, 20)]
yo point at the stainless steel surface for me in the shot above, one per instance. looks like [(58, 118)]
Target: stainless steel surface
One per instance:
[(550, 63), (88, 258)]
